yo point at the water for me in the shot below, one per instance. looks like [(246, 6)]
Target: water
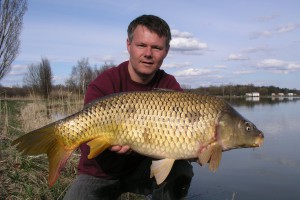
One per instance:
[(269, 172)]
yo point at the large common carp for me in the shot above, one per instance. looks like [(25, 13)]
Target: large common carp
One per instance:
[(164, 125)]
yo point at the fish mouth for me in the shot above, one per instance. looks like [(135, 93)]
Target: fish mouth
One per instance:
[(259, 141)]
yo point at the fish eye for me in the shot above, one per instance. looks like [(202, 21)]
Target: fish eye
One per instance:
[(248, 126)]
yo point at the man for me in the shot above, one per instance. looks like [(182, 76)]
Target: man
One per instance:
[(118, 169)]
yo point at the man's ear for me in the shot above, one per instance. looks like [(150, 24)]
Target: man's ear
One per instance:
[(128, 44)]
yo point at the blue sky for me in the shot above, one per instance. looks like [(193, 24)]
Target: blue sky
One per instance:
[(214, 42)]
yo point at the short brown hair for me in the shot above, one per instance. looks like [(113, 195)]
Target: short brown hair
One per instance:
[(153, 23)]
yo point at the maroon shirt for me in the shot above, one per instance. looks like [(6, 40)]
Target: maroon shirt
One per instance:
[(108, 164)]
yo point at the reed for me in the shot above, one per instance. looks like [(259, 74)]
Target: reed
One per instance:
[(25, 177)]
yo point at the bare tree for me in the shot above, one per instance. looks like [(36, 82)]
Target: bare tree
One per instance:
[(39, 78), (11, 19), (81, 76), (101, 69)]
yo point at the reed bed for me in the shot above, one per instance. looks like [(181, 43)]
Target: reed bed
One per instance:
[(25, 177)]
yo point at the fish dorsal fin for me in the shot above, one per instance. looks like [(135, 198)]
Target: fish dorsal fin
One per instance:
[(160, 169), (97, 146), (213, 155), (164, 90)]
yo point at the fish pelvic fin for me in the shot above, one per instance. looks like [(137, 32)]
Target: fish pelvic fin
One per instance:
[(160, 169), (42, 141), (212, 156), (97, 146)]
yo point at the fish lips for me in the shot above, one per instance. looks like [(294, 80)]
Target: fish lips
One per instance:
[(259, 140)]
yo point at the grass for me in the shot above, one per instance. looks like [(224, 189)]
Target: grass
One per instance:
[(25, 177)]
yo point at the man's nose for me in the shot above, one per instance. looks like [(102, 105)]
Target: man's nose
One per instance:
[(148, 52)]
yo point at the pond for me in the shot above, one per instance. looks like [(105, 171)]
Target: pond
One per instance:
[(269, 172)]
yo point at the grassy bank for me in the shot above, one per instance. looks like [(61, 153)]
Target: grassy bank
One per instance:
[(25, 177)]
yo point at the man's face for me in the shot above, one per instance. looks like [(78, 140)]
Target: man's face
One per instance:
[(147, 51)]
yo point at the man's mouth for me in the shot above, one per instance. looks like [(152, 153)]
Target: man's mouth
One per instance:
[(147, 62)]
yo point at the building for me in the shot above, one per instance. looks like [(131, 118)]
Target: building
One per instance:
[(252, 94)]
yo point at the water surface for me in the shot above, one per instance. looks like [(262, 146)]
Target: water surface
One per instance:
[(270, 172)]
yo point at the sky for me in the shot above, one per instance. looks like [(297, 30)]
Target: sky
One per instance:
[(214, 42)]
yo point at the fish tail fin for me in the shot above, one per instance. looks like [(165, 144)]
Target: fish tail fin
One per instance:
[(41, 141)]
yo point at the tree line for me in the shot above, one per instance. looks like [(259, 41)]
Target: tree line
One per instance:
[(39, 77), (241, 90)]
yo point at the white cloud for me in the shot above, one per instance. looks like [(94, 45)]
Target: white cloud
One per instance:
[(185, 42), (108, 59), (176, 65), (261, 34), (279, 30), (193, 72), (237, 57), (17, 70), (271, 63), (256, 49), (287, 28), (278, 66), (241, 72), (177, 33)]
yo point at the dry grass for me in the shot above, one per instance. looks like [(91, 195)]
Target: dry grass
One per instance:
[(25, 177)]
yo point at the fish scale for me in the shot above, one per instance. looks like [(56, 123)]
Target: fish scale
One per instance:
[(165, 125)]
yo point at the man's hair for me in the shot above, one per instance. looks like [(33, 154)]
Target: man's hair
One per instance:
[(153, 23)]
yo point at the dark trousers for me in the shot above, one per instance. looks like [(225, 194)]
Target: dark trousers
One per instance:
[(174, 187)]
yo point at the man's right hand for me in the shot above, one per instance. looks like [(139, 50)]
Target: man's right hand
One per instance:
[(121, 149)]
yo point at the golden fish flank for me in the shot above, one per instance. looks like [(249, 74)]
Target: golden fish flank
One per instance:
[(166, 125)]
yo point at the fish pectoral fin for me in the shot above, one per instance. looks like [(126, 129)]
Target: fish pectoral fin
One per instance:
[(211, 155), (97, 146), (204, 157), (215, 158), (160, 169)]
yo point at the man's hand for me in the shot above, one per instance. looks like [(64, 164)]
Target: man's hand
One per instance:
[(121, 149)]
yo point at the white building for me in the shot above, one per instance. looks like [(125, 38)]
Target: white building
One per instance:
[(252, 94)]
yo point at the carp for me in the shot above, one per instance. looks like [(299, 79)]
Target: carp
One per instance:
[(164, 125)]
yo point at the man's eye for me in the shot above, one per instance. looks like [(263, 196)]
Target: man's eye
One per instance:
[(157, 48)]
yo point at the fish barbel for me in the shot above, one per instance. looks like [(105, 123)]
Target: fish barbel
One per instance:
[(165, 125)]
